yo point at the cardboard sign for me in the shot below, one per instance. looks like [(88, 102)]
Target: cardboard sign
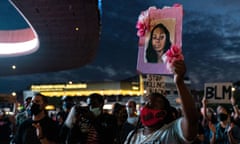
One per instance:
[(154, 83), (158, 30), (218, 92)]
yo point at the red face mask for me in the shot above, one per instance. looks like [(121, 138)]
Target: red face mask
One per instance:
[(150, 117)]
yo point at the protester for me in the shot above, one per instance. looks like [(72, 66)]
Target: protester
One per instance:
[(25, 114), (60, 118), (77, 125), (131, 107), (157, 118), (120, 113), (223, 131), (105, 125), (89, 125), (39, 128), (132, 119), (67, 103)]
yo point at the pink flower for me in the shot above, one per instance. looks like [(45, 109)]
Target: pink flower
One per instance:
[(172, 55), (143, 22), (141, 29), (177, 5)]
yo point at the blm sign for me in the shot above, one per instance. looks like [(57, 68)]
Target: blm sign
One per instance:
[(218, 92)]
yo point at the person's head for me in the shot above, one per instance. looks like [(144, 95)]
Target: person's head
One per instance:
[(156, 112), (27, 101), (67, 103), (38, 104), (131, 108), (222, 113), (159, 43), (95, 103), (119, 111)]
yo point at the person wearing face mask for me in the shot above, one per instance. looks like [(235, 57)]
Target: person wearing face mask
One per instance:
[(39, 128), (159, 126), (132, 119), (131, 107), (104, 124), (225, 131), (67, 103)]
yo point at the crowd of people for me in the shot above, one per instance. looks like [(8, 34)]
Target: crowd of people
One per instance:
[(157, 122)]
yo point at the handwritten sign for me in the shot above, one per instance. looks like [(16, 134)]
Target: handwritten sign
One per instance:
[(218, 92), (154, 83)]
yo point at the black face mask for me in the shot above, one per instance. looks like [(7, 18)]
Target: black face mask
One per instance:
[(35, 109), (222, 117)]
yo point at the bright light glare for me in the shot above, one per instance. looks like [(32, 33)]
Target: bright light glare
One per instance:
[(19, 48), (13, 67), (14, 93), (107, 106)]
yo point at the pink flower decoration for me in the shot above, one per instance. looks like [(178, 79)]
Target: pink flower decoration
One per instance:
[(172, 55), (177, 5), (141, 29), (143, 22)]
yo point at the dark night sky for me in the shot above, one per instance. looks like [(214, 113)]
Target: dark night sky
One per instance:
[(210, 45)]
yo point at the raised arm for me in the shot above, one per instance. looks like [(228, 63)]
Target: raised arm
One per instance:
[(235, 108), (190, 116)]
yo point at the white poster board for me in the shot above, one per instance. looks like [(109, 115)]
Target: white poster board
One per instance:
[(218, 92)]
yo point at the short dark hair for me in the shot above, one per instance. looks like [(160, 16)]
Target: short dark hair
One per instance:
[(98, 97), (133, 102), (166, 102), (117, 107), (44, 98), (167, 106)]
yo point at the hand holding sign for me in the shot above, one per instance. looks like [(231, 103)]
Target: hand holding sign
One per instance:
[(172, 55), (218, 92)]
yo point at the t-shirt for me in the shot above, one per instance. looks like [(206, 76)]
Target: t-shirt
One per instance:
[(26, 133), (168, 134)]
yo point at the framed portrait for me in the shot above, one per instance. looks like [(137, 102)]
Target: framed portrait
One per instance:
[(159, 29)]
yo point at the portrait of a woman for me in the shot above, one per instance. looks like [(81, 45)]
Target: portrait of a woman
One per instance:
[(158, 44)]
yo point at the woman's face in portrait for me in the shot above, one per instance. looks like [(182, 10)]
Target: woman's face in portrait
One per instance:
[(158, 39)]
